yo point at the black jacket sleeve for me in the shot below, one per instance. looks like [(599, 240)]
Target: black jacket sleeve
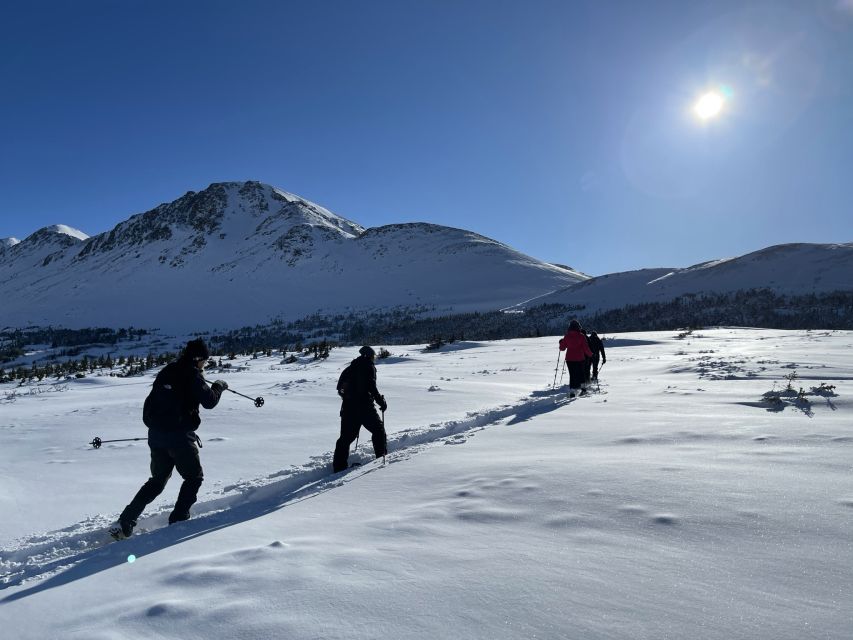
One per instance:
[(371, 385), (207, 397)]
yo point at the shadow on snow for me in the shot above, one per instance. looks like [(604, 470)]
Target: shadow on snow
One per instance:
[(90, 550)]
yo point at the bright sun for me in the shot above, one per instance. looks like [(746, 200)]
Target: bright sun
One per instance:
[(709, 105)]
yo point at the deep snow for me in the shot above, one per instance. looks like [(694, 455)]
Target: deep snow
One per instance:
[(676, 502)]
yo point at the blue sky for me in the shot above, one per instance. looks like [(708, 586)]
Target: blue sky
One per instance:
[(563, 128)]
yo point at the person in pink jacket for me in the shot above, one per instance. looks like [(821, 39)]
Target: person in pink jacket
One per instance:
[(577, 349)]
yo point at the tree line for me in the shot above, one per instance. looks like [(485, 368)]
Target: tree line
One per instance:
[(315, 335)]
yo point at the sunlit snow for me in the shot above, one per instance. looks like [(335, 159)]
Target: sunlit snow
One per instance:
[(692, 495)]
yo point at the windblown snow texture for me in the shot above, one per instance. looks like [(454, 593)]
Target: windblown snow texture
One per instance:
[(698, 498)]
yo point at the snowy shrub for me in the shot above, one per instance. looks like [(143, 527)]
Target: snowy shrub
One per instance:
[(435, 344), (824, 390)]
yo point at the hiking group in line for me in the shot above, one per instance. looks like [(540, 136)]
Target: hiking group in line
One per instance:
[(171, 413), (583, 352)]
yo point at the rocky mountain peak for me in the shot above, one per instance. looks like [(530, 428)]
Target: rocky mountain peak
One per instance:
[(57, 234), (235, 211)]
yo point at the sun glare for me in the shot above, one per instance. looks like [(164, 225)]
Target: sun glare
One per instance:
[(709, 105)]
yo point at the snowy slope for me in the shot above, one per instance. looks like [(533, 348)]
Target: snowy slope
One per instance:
[(245, 253), (675, 503), (790, 269)]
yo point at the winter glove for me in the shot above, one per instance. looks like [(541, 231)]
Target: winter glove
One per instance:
[(382, 404), (603, 360), (221, 384)]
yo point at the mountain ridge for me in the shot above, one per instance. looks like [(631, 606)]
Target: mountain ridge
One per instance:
[(246, 253), (266, 254), (791, 268)]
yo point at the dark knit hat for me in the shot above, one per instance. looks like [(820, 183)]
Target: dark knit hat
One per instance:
[(196, 350), (367, 351), (574, 325)]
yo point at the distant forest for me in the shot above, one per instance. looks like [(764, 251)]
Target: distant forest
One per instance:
[(751, 308)]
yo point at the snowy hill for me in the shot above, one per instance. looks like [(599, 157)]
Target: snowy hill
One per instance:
[(245, 253), (692, 496), (789, 269)]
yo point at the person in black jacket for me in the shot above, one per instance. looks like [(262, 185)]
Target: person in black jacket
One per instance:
[(171, 413), (357, 388), (597, 348), (587, 362)]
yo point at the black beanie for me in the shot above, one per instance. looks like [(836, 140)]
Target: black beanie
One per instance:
[(196, 350), (367, 351)]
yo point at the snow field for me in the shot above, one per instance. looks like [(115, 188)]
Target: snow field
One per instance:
[(673, 504)]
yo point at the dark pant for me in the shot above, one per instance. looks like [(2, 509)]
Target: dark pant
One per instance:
[(595, 360), (576, 373), (352, 419), (186, 460)]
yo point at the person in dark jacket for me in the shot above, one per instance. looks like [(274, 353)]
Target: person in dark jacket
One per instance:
[(357, 388), (171, 413), (587, 361), (597, 348), (575, 345)]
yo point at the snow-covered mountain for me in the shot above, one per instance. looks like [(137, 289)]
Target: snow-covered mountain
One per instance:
[(246, 253), (796, 269)]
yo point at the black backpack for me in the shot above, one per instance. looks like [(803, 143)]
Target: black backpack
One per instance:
[(164, 407), (353, 381), (345, 380)]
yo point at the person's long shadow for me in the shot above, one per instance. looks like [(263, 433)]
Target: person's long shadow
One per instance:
[(113, 554)]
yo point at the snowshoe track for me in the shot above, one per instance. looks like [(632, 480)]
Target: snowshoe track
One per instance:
[(40, 556)]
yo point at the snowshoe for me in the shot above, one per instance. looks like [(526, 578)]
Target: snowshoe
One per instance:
[(178, 517), (122, 529)]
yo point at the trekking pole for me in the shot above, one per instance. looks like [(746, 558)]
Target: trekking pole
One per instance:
[(259, 401), (386, 437), (97, 442), (563, 371), (555, 369)]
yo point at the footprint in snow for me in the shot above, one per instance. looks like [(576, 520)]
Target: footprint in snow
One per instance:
[(665, 519)]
